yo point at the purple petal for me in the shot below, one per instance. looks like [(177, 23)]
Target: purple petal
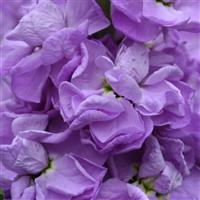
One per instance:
[(6, 135), (63, 43), (24, 156), (74, 180), (67, 70), (136, 193), (123, 21), (42, 193), (105, 131), (132, 58), (70, 98), (163, 15), (189, 188), (88, 75), (79, 11), (29, 72), (152, 161), (113, 189), (12, 57), (156, 97), (18, 187), (123, 84), (101, 103), (44, 136), (7, 177), (29, 193), (178, 114), (39, 24), (120, 134), (96, 108), (135, 13), (169, 179), (175, 153), (29, 122), (191, 9), (171, 73)]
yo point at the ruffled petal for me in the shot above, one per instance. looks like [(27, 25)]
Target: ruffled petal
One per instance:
[(169, 179), (24, 156), (29, 122), (163, 15), (123, 84), (152, 161), (144, 30), (39, 24), (29, 72), (78, 11), (171, 73), (189, 187), (132, 58), (63, 43)]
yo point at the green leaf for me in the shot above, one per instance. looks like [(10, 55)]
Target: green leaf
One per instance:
[(1, 194)]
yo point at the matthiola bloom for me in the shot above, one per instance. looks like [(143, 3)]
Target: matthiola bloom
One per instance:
[(142, 20), (166, 176), (80, 181), (77, 61), (156, 93), (99, 100), (27, 64), (41, 177), (104, 115), (159, 172), (53, 16)]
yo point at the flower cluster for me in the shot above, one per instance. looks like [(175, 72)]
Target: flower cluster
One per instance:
[(100, 100)]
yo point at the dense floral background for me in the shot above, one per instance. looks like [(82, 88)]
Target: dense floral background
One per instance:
[(100, 100)]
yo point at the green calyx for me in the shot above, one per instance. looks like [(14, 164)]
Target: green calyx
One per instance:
[(159, 196), (168, 4), (145, 184), (48, 167), (106, 87)]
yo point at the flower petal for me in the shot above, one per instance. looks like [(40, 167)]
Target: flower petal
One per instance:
[(169, 179), (123, 84), (29, 72), (29, 122), (163, 15), (152, 161), (78, 11), (46, 18), (132, 58), (24, 156), (169, 72)]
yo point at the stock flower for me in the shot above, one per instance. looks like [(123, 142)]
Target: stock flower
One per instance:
[(52, 18), (104, 115), (159, 94), (41, 176), (99, 100), (142, 20)]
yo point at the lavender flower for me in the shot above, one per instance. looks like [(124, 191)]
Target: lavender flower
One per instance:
[(99, 100)]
